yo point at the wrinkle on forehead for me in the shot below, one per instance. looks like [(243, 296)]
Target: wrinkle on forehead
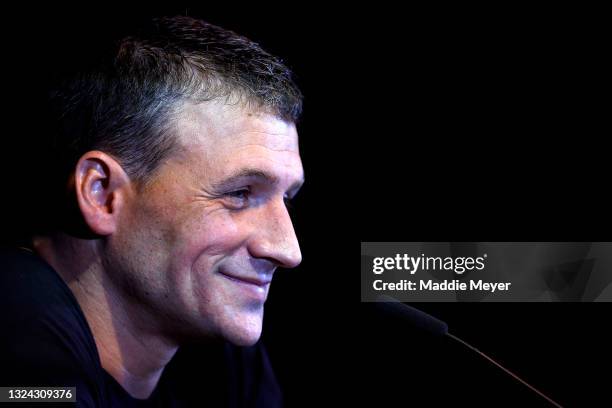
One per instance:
[(218, 139), (210, 124), (248, 145)]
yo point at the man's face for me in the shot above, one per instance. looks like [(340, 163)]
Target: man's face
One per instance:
[(197, 247)]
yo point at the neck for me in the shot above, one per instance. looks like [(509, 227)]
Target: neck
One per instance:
[(131, 351)]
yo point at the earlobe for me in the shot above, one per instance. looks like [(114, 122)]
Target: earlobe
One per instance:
[(101, 186)]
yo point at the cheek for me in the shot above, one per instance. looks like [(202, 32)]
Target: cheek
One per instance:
[(205, 245), (212, 235), (199, 245)]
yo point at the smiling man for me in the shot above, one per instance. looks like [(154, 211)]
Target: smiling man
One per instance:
[(179, 153)]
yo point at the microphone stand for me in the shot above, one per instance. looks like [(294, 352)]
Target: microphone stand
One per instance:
[(531, 387)]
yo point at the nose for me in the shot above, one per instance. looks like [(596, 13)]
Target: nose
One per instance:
[(274, 236)]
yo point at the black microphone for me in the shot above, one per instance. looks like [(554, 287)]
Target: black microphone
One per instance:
[(430, 324), (415, 317)]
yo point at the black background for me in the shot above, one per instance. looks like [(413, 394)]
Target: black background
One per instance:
[(446, 124)]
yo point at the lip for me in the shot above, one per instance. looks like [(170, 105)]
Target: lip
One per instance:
[(248, 280)]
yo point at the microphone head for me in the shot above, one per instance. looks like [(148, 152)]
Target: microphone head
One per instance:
[(413, 316)]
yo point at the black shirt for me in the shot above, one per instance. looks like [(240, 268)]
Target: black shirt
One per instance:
[(45, 341)]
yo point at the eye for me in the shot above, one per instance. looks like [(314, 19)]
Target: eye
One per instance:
[(243, 193), (238, 198)]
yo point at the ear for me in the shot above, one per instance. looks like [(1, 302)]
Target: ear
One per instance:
[(102, 188)]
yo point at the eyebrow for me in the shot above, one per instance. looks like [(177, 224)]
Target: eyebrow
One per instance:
[(251, 173)]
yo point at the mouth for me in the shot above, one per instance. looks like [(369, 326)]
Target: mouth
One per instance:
[(248, 280)]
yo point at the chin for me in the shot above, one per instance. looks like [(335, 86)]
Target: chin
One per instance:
[(243, 333), (244, 341)]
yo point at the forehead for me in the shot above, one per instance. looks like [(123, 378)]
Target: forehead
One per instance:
[(219, 126), (220, 138)]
